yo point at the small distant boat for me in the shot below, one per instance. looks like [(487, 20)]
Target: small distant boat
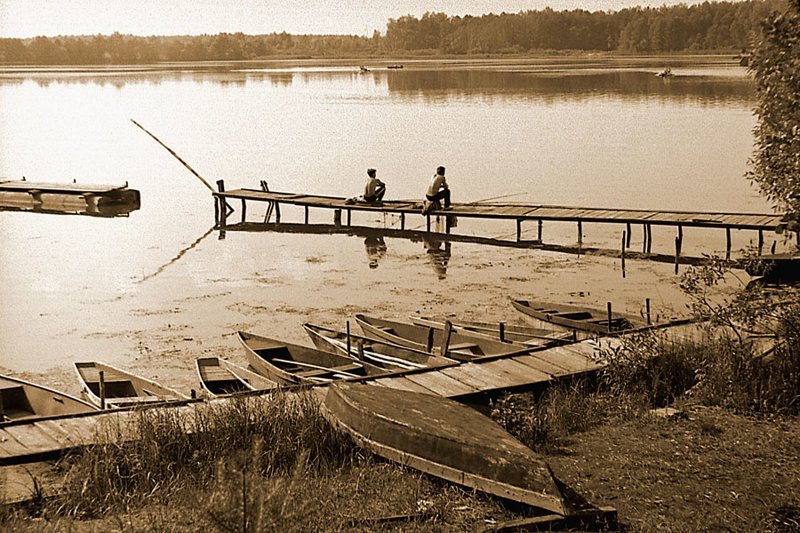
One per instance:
[(292, 364), (362, 68), (444, 438), (219, 377), (23, 400), (388, 356), (462, 344), (577, 317), (121, 388), (395, 66), (666, 73), (511, 332)]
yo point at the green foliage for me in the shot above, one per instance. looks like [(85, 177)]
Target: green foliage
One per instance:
[(776, 68)]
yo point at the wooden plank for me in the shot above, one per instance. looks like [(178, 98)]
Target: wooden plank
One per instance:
[(33, 438), (542, 365), (471, 374), (402, 383), (567, 359), (441, 384), (516, 373), (10, 447), (57, 432)]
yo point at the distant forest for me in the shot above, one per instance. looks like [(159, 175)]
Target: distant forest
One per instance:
[(720, 26)]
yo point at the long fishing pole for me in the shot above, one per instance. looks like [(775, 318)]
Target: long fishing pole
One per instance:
[(176, 156)]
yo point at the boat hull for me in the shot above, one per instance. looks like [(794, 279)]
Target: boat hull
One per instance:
[(445, 439)]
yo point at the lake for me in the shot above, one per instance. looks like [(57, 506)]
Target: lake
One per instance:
[(156, 288)]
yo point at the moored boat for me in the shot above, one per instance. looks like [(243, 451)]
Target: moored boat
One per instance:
[(510, 332), (577, 317), (391, 357), (462, 343), (23, 400), (292, 364), (444, 438), (219, 376), (120, 388)]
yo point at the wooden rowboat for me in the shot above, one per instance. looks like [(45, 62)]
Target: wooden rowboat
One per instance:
[(23, 400), (218, 377), (511, 332), (292, 364), (121, 388), (577, 317), (391, 357), (444, 438), (463, 344)]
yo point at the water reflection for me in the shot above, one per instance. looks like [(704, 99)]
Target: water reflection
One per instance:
[(376, 249), (433, 85), (438, 251)]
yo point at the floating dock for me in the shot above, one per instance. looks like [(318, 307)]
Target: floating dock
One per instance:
[(68, 198), (518, 213)]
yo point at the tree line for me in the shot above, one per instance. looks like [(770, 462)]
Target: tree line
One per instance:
[(706, 26)]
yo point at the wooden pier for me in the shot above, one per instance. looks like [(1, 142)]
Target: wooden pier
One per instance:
[(27, 441), (518, 213)]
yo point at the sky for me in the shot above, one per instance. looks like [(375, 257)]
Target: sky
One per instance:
[(29, 18)]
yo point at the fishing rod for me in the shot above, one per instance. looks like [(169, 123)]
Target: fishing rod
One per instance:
[(176, 156)]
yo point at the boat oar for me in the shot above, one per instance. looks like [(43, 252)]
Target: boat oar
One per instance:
[(176, 156)]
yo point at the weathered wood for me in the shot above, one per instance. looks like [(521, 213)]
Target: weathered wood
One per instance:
[(442, 384), (539, 230)]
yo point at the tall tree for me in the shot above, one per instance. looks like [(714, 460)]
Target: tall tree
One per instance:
[(776, 67)]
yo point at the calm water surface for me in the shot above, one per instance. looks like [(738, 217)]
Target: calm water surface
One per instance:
[(610, 135)]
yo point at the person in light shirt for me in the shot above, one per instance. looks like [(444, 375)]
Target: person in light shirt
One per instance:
[(438, 189), (374, 189)]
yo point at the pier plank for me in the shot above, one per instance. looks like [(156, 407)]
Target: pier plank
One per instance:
[(441, 384), (402, 383), (33, 438)]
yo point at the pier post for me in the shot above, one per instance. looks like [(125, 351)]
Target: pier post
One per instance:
[(216, 210), (760, 241), (647, 310), (348, 338), (728, 244), (644, 238), (348, 216), (519, 229), (580, 232), (502, 329), (429, 340), (539, 230), (244, 209), (649, 238), (102, 390), (305, 209), (622, 251), (428, 223), (772, 249), (223, 205), (677, 253), (448, 330), (608, 310), (360, 346), (402, 221), (337, 217), (628, 229)]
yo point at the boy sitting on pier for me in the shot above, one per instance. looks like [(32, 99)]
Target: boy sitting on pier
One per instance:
[(373, 190), (437, 190)]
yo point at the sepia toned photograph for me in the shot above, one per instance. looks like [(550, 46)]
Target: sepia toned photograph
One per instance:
[(424, 265)]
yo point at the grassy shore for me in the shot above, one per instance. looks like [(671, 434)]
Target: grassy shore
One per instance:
[(724, 459)]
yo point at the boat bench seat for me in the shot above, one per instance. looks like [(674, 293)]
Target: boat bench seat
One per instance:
[(329, 371), (463, 346)]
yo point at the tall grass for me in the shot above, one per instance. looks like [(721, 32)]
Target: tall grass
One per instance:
[(265, 437)]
